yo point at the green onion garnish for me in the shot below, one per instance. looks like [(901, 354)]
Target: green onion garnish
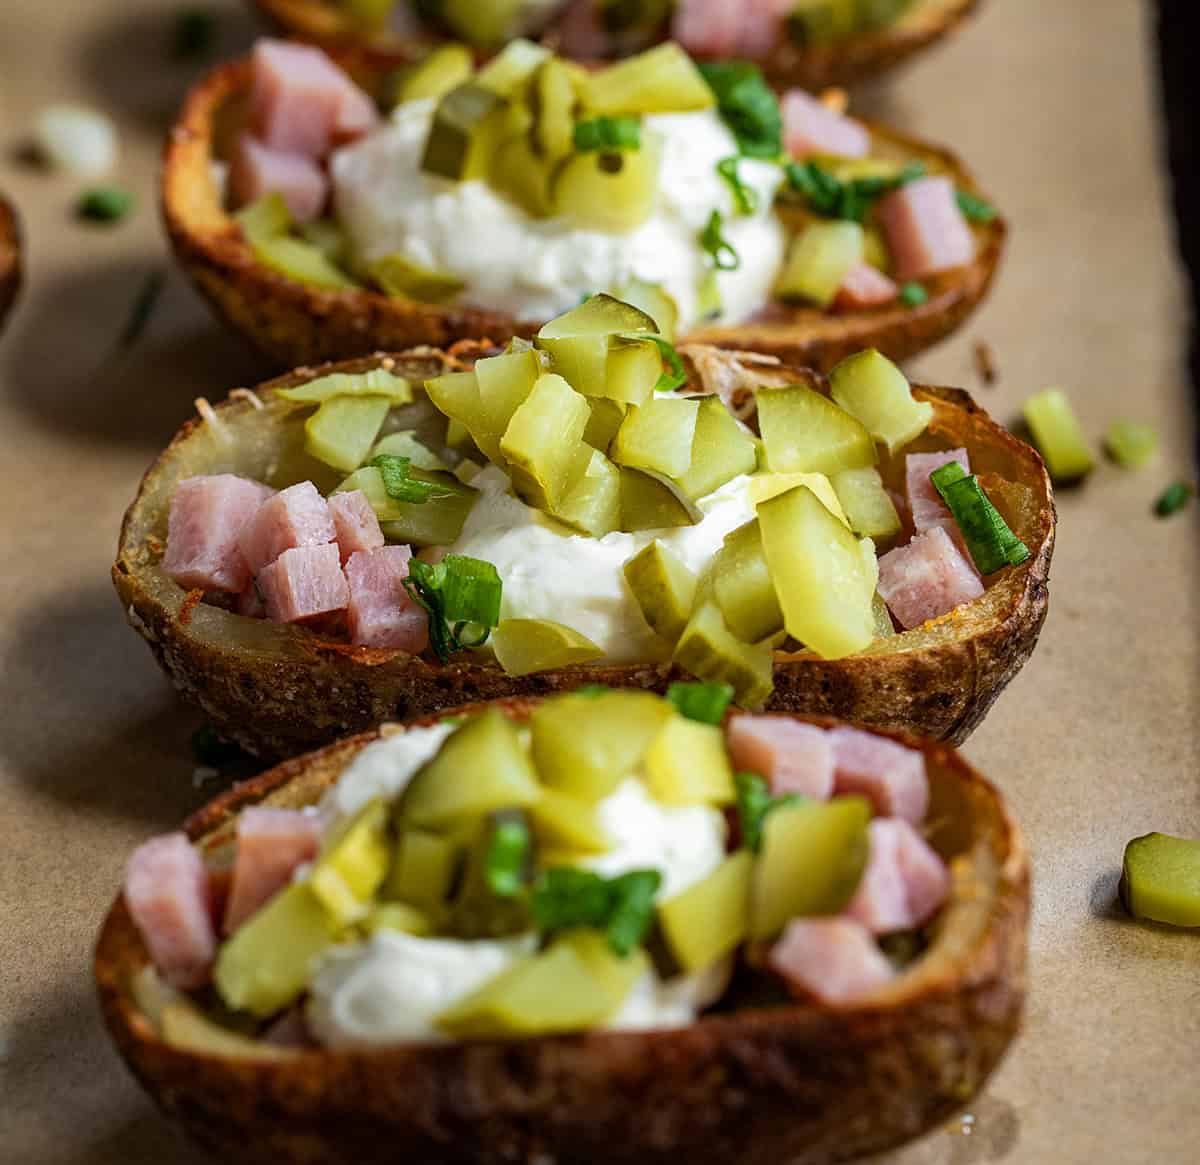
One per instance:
[(830, 197), (608, 133), (974, 208), (703, 702), (745, 197), (674, 374), (717, 246), (913, 295), (1131, 444), (623, 907), (506, 859), (747, 105), (194, 35), (991, 544), (754, 802), (1173, 499), (633, 910), (399, 483), (460, 595), (104, 204)]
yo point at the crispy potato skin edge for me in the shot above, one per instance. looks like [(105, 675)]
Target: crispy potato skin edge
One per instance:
[(803, 1083), (293, 323), (10, 257)]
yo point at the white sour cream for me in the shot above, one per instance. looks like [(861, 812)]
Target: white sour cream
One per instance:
[(551, 573), (539, 268)]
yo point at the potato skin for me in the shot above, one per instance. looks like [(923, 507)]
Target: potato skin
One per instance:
[(937, 682), (787, 65), (10, 257), (801, 1083), (293, 323)]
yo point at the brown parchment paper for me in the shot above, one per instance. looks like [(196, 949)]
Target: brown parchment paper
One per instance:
[(1054, 104)]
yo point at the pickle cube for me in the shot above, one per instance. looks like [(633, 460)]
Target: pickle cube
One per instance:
[(544, 444), (688, 764), (805, 432), (872, 389)]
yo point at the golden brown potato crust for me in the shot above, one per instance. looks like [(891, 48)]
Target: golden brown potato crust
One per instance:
[(10, 256), (802, 1083), (295, 323)]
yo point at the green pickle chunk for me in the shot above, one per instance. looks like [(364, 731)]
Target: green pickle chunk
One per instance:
[(687, 764), (805, 432), (664, 589), (1161, 879), (873, 390), (353, 864), (526, 646), (709, 919)]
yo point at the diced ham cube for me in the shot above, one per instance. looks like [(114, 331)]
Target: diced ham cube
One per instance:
[(258, 170), (890, 776), (864, 287), (580, 34), (924, 502), (809, 127), (905, 882), (925, 230), (302, 103), (794, 757), (207, 517), (271, 843), (355, 523), (834, 960), (167, 894), (927, 578), (381, 612), (708, 28), (296, 516), (304, 582)]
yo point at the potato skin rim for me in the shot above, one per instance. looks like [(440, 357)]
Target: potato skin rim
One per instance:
[(293, 323), (815, 1083), (10, 256)]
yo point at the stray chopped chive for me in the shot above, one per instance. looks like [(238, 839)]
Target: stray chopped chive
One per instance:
[(973, 207), (674, 374), (194, 36), (1131, 444), (401, 485), (210, 748), (754, 803), (701, 701), (745, 197), (104, 204), (1173, 499), (623, 907), (633, 910), (507, 857), (608, 133), (717, 246), (830, 197), (990, 542), (747, 105), (458, 594), (913, 295), (142, 309)]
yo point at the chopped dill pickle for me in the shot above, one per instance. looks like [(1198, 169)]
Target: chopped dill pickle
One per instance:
[(770, 485), (657, 436), (875, 250), (884, 627), (598, 315), (424, 871), (868, 507), (580, 360), (873, 390), (343, 429), (406, 444), (812, 860), (819, 260), (687, 764), (710, 651), (632, 370), (265, 218), (185, 1027), (605, 420), (264, 966), (1161, 879), (526, 646), (721, 451), (655, 302), (1057, 435), (518, 172), (585, 745), (458, 396), (484, 905), (397, 916), (821, 576), (328, 237), (466, 129), (481, 768), (353, 864), (568, 824), (544, 445), (401, 278), (648, 504), (301, 261), (554, 99), (743, 588), (805, 432), (437, 522), (1131, 444), (594, 505), (509, 70), (616, 973), (661, 80), (709, 919), (505, 383), (444, 69), (377, 382), (664, 589), (609, 191)]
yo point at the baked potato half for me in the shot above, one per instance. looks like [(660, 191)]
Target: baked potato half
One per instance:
[(295, 323), (750, 1083), (843, 62), (10, 257), (280, 689)]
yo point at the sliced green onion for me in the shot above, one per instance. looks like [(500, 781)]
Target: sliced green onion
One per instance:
[(633, 910), (747, 105), (974, 208), (722, 252), (745, 197), (1131, 444), (674, 374), (913, 295), (400, 485), (830, 197), (608, 133), (1173, 499), (194, 35), (1057, 435), (506, 858), (703, 702), (566, 897), (754, 802), (990, 542), (458, 593), (104, 204)]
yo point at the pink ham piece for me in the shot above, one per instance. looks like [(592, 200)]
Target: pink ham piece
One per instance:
[(793, 757), (381, 613), (834, 960), (927, 578), (168, 896), (926, 232), (890, 776), (924, 502), (207, 517), (257, 170), (296, 516), (580, 34), (271, 843), (812, 128), (302, 583), (905, 882), (864, 287), (302, 103), (355, 523), (708, 28)]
